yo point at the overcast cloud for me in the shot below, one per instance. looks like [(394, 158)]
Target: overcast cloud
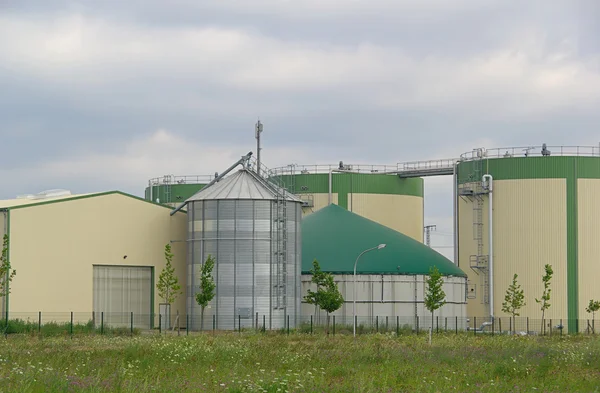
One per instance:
[(106, 94)]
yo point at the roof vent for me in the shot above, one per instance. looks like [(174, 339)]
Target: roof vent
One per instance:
[(46, 194)]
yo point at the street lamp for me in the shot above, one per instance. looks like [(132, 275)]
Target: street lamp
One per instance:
[(379, 247)]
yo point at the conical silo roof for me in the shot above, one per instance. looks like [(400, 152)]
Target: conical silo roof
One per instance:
[(335, 237), (244, 184)]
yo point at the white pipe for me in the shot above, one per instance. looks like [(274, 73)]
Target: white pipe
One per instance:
[(455, 208), (490, 180)]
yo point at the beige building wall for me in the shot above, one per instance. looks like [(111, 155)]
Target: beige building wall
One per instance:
[(530, 221), (402, 213), (588, 220), (54, 247)]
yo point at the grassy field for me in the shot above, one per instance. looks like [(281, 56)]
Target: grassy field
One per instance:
[(254, 362)]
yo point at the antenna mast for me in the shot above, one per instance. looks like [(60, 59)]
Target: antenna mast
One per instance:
[(258, 131)]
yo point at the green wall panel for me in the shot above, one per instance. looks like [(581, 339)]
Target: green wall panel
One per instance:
[(179, 192), (345, 183)]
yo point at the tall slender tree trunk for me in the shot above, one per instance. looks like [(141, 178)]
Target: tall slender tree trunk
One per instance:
[(542, 327), (431, 328), (202, 319)]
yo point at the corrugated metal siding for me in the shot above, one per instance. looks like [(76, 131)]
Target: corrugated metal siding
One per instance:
[(400, 212), (530, 230), (530, 221), (588, 244)]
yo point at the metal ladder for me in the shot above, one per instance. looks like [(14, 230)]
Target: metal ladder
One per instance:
[(280, 250), (167, 192)]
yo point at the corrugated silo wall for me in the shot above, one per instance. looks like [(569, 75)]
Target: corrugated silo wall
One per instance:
[(241, 236), (545, 211), (387, 199)]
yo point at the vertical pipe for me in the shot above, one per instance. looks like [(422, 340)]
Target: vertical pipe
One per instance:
[(455, 207), (490, 241), (258, 130)]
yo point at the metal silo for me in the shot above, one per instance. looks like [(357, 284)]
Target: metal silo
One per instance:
[(251, 227)]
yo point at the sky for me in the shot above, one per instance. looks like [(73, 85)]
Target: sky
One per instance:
[(104, 95)]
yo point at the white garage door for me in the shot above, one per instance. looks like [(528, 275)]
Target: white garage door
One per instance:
[(121, 290)]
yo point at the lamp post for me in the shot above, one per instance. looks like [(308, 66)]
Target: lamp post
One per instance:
[(379, 247)]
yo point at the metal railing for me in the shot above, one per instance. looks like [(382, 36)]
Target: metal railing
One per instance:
[(409, 166), (295, 169), (184, 179), (530, 151)]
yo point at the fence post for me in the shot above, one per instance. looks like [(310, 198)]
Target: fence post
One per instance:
[(159, 323), (500, 325), (397, 325), (71, 324), (288, 323), (417, 327), (187, 325), (102, 322), (446, 325), (240, 323), (356, 320), (527, 325), (386, 323), (456, 324), (178, 330), (311, 325), (39, 322), (256, 324), (437, 324), (132, 323), (475, 325), (561, 327), (264, 329), (214, 323)]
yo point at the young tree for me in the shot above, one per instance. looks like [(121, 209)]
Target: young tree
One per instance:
[(545, 300), (327, 297), (435, 295), (592, 307), (514, 300), (168, 284), (6, 274), (207, 287)]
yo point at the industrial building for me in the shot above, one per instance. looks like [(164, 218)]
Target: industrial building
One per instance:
[(515, 210), (96, 255), (544, 210), (390, 282)]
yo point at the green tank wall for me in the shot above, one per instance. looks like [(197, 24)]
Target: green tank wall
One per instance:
[(179, 192)]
